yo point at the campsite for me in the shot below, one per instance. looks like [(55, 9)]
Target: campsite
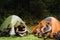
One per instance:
[(14, 21), (28, 37), (29, 19)]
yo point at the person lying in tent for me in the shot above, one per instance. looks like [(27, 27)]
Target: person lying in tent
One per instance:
[(46, 30), (21, 30)]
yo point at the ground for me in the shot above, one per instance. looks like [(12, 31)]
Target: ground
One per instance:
[(28, 37)]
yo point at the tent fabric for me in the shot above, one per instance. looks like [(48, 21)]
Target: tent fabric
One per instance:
[(12, 21), (6, 23), (53, 22), (15, 19), (12, 32)]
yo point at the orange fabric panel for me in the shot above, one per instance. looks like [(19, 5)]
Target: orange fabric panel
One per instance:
[(34, 29), (39, 26), (55, 26)]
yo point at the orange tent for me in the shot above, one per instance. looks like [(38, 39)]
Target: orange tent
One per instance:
[(53, 22)]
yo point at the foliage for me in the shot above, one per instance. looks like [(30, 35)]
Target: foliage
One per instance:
[(29, 10)]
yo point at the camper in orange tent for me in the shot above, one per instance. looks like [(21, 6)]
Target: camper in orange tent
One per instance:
[(53, 23)]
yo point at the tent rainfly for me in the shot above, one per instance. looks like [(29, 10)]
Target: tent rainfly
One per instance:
[(53, 22), (12, 21)]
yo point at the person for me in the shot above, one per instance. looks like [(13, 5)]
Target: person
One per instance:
[(21, 30), (46, 30)]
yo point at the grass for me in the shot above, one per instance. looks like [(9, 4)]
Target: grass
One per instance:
[(28, 37)]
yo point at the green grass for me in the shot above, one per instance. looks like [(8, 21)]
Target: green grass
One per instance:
[(28, 37)]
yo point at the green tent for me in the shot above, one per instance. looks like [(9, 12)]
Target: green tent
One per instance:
[(12, 21)]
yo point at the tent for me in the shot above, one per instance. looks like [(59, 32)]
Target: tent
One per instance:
[(53, 22), (12, 21)]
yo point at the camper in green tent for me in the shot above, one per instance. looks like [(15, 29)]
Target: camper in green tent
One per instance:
[(12, 22)]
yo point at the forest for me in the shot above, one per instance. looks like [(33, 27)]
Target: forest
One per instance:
[(31, 11)]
